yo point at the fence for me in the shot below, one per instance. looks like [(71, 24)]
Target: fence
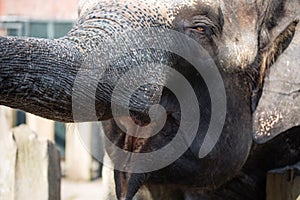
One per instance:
[(78, 163)]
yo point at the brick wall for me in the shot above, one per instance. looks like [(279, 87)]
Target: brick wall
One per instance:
[(40, 9)]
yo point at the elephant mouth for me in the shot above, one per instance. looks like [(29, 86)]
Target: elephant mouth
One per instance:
[(132, 142), (139, 133), (127, 183)]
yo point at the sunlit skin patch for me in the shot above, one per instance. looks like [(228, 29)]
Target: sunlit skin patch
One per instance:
[(133, 142)]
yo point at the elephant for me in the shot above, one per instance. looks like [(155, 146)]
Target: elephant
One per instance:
[(253, 45)]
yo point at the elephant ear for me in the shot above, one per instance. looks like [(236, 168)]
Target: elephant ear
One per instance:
[(278, 108)]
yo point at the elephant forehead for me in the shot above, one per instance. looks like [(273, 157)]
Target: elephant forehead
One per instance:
[(239, 35), (169, 7), (166, 9)]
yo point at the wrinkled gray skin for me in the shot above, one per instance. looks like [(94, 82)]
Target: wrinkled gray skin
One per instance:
[(245, 38)]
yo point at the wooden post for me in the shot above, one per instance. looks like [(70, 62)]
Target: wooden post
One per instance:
[(284, 184), (80, 143), (43, 127), (8, 152), (37, 167), (108, 180), (30, 167), (6, 119)]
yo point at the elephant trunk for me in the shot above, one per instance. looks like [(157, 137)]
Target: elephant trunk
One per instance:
[(45, 77), (36, 75), (39, 76)]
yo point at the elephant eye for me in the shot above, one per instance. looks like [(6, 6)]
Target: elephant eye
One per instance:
[(200, 28)]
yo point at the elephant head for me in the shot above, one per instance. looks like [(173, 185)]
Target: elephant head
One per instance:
[(253, 44)]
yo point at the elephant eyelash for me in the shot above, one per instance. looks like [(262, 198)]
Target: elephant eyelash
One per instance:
[(203, 24)]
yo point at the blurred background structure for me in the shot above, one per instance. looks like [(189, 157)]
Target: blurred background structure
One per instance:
[(51, 19), (37, 18)]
